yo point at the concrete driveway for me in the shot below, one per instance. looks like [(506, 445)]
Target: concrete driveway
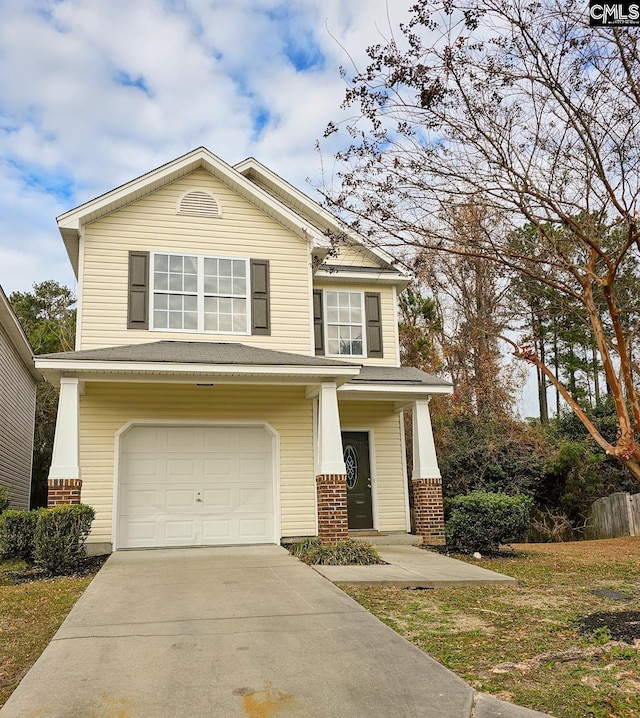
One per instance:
[(226, 632)]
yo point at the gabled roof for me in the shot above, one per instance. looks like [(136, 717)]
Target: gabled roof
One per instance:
[(316, 214), (251, 180), (70, 223), (9, 322)]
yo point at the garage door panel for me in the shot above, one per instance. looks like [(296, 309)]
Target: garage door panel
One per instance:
[(218, 469), (182, 486), (252, 498), (254, 440), (139, 533), (140, 468), (181, 469), (218, 499), (252, 528), (179, 499), (215, 530), (254, 467), (180, 529), (180, 438)]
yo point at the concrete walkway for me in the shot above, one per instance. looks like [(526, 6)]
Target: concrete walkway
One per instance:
[(233, 632), (411, 567)]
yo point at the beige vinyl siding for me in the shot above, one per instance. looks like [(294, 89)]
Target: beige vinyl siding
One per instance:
[(353, 255), (389, 319), (151, 224), (106, 408), (17, 410), (388, 458)]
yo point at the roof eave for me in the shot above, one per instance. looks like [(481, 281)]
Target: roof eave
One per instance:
[(91, 370), (398, 393), (399, 279), (13, 328)]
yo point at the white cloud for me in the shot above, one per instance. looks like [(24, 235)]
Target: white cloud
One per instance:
[(95, 94)]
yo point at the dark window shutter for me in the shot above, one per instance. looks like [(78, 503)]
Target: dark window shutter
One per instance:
[(138, 314), (374, 324), (318, 321), (260, 309)]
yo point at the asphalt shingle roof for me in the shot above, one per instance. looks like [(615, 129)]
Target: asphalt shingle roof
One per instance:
[(233, 353), (397, 375), (179, 352)]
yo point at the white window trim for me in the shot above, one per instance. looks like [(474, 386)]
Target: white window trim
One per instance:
[(200, 293), (326, 323)]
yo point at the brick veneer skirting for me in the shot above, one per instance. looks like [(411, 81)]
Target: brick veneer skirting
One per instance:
[(333, 522), (64, 491), (428, 509)]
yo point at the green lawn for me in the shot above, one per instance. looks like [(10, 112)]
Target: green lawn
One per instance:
[(475, 631), (30, 613)]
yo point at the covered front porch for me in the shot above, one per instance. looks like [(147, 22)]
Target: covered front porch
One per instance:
[(333, 455)]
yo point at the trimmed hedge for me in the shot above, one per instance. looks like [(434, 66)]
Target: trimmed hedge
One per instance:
[(52, 539), (17, 532), (60, 535), (5, 499), (482, 521)]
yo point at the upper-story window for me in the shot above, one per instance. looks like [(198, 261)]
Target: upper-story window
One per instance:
[(345, 323), (203, 294)]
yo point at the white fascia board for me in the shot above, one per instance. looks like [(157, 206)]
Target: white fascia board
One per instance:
[(382, 277), (161, 371), (391, 392), (314, 209)]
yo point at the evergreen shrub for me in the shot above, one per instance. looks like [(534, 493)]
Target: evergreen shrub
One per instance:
[(483, 521)]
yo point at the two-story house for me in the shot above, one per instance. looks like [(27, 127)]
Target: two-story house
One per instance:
[(234, 380)]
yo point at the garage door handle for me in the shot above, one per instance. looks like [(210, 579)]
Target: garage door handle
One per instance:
[(198, 498)]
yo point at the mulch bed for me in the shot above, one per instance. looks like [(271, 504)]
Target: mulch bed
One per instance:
[(622, 625), (89, 566)]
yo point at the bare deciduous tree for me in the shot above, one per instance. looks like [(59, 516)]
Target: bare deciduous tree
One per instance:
[(519, 107)]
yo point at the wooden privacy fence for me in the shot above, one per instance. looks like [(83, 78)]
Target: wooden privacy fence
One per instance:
[(615, 515)]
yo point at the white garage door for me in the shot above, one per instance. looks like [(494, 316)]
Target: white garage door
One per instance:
[(195, 486)]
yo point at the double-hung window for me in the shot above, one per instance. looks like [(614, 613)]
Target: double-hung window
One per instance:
[(345, 323), (200, 294)]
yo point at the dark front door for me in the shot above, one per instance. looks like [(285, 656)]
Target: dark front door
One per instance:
[(355, 445)]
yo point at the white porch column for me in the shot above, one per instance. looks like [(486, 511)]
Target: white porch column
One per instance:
[(426, 482), (331, 474), (65, 462), (329, 448), (425, 462)]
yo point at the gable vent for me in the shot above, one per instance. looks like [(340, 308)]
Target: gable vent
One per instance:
[(199, 204)]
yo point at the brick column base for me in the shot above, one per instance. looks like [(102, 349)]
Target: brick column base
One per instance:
[(333, 525), (64, 491), (428, 509)]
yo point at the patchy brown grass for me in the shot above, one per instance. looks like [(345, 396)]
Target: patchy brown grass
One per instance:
[(520, 643), (31, 611)]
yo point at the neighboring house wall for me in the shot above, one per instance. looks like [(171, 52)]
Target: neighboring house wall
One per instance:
[(17, 409), (106, 408), (152, 224)]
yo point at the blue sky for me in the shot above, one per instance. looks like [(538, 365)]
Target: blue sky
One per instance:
[(96, 92)]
